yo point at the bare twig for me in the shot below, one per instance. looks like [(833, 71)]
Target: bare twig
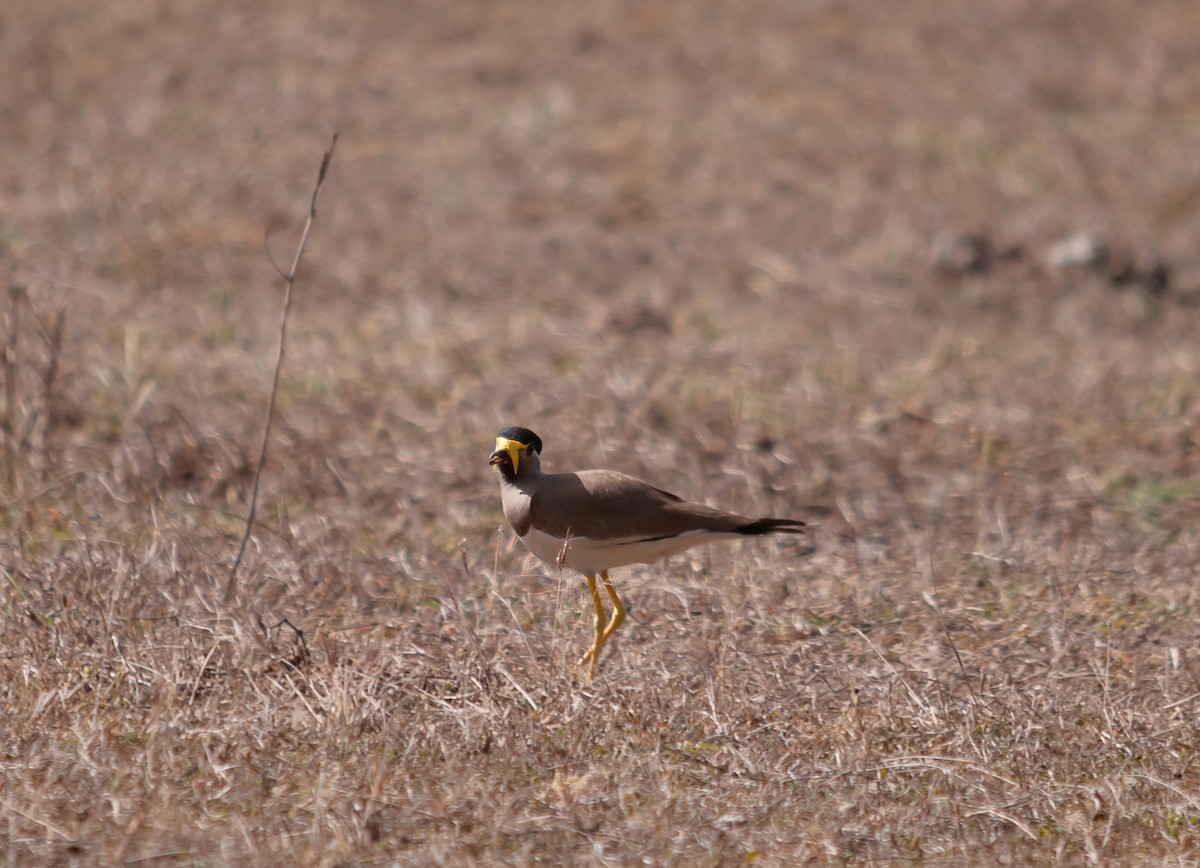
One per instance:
[(932, 599), (289, 281), (10, 389), (53, 337), (466, 564)]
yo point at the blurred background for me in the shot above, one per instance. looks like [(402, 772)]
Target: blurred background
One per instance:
[(671, 230), (719, 224)]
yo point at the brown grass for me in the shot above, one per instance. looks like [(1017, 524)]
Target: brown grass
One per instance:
[(688, 240)]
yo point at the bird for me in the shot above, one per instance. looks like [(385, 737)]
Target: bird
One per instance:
[(592, 521)]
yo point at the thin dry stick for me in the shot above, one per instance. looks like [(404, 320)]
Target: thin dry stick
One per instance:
[(53, 337), (10, 391), (936, 605), (289, 281)]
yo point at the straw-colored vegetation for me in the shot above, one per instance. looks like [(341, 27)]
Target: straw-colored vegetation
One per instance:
[(687, 240)]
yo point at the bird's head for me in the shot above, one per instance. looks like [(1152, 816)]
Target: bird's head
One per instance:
[(517, 451)]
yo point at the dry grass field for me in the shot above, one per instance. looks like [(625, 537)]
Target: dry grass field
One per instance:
[(801, 259)]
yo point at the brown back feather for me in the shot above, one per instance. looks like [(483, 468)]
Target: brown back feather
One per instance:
[(606, 504)]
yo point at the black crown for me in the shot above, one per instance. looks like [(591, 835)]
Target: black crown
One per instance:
[(523, 436)]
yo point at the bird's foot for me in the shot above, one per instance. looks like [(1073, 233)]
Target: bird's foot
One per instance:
[(589, 657)]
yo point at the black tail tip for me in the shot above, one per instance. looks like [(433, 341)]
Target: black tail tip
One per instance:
[(772, 525)]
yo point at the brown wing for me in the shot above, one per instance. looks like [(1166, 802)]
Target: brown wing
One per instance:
[(607, 505)]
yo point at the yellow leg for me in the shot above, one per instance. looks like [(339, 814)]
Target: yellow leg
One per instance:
[(618, 615), (593, 654), (603, 630)]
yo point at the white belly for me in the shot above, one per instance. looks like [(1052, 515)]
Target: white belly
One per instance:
[(591, 556)]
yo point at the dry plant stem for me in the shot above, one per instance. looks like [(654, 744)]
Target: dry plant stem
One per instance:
[(462, 549), (10, 390), (53, 337), (289, 280), (937, 610)]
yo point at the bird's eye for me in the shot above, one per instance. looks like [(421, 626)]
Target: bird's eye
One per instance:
[(529, 450)]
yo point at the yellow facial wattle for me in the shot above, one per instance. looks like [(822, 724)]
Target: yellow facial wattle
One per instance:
[(512, 447)]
